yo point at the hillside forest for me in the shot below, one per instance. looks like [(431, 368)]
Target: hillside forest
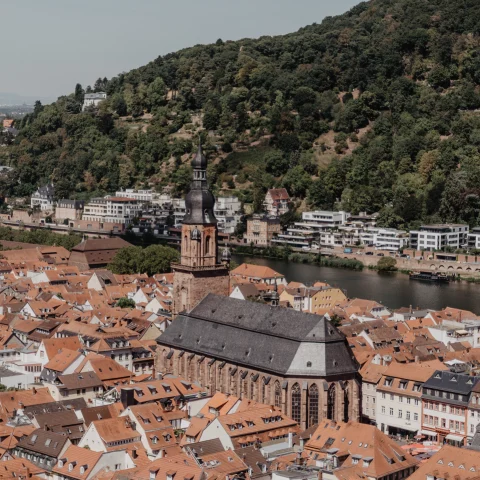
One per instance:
[(375, 110)]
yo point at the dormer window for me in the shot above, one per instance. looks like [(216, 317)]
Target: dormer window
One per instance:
[(388, 382), (71, 466), (83, 468)]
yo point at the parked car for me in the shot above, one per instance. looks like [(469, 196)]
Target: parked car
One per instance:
[(369, 253), (380, 254)]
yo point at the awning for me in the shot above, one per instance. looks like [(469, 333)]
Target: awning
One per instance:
[(456, 438), (429, 432)]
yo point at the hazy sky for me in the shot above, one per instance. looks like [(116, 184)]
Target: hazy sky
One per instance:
[(53, 44)]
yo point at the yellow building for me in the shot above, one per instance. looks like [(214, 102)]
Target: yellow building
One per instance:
[(312, 299)]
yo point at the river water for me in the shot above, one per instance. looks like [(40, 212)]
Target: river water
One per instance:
[(393, 290)]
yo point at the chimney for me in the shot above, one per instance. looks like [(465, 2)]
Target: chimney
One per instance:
[(290, 440), (34, 390)]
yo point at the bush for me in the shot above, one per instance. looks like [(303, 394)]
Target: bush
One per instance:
[(387, 264), (125, 302)]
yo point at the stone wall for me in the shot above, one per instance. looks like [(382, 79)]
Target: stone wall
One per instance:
[(465, 269), (337, 398), (191, 286)]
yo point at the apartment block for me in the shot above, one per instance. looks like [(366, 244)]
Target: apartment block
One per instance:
[(439, 237)]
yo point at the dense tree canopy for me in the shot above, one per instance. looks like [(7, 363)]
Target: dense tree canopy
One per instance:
[(151, 260), (373, 110)]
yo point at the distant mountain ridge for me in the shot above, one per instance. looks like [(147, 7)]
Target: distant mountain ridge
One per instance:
[(12, 99)]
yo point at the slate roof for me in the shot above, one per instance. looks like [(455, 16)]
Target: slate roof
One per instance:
[(263, 337), (50, 407), (451, 382), (207, 447), (44, 442), (80, 380)]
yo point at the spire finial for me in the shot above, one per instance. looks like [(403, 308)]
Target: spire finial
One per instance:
[(199, 161)]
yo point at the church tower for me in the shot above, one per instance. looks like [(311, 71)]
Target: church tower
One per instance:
[(199, 271)]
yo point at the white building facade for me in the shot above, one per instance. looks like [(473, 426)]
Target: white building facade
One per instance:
[(93, 99), (439, 237), (44, 198), (111, 209)]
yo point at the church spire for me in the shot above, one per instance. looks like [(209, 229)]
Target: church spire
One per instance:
[(199, 202)]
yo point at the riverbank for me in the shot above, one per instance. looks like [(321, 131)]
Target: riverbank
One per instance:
[(286, 254)]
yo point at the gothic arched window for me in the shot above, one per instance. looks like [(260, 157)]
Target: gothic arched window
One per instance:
[(346, 404), (312, 405), (296, 403), (331, 402), (278, 395), (207, 245)]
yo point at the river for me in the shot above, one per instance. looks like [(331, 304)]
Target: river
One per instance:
[(393, 290)]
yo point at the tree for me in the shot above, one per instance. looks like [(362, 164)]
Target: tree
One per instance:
[(297, 181), (276, 163), (125, 302), (387, 264), (118, 104), (79, 93), (158, 259), (156, 93), (335, 320), (211, 118), (151, 260), (127, 261), (137, 108)]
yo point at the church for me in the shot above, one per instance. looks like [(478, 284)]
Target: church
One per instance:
[(296, 361)]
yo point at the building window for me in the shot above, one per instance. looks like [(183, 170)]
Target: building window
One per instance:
[(296, 403), (278, 395), (207, 245), (331, 402), (312, 405)]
